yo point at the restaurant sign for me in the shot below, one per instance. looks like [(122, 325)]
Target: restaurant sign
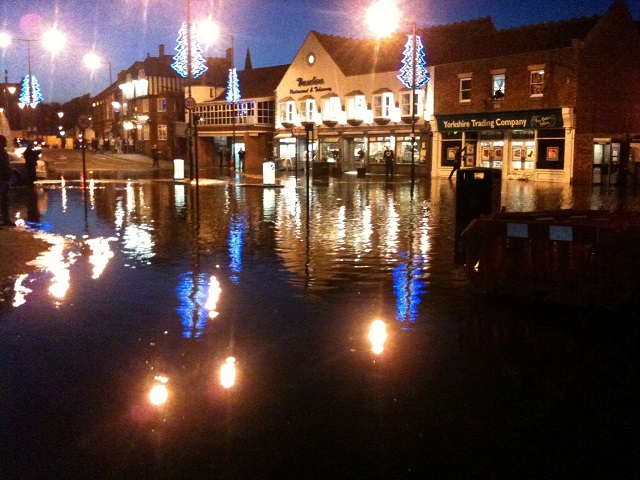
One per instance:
[(532, 119)]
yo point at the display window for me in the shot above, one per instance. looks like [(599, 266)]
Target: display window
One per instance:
[(377, 146), (404, 150)]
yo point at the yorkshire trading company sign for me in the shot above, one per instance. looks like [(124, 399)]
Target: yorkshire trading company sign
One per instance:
[(532, 119)]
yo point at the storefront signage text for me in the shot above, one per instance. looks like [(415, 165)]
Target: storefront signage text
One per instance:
[(502, 121), (314, 85)]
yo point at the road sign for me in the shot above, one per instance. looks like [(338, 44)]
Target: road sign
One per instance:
[(190, 103), (84, 121), (295, 131)]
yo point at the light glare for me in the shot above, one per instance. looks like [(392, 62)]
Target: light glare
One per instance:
[(5, 39), (54, 40), (92, 61), (383, 18)]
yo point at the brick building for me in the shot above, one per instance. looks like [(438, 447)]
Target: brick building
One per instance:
[(555, 102)]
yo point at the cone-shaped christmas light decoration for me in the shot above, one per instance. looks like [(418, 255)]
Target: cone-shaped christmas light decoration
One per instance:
[(407, 69), (181, 59), (30, 93), (233, 87)]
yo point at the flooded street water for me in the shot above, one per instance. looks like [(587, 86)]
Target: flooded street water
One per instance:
[(153, 283)]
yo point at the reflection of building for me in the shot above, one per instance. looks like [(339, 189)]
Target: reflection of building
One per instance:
[(548, 102), (250, 123), (146, 104)]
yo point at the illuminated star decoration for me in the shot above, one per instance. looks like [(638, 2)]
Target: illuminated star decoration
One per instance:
[(181, 59), (233, 87), (30, 93), (406, 71)]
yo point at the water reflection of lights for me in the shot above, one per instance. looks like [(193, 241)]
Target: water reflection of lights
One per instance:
[(100, 254), (20, 291), (228, 373), (54, 262), (269, 204), (180, 198), (378, 336), (408, 285), (192, 292), (214, 295), (159, 393), (138, 242), (236, 243)]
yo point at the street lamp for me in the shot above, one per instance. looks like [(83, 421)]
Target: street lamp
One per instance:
[(93, 62)]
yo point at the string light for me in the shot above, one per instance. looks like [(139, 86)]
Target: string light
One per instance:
[(181, 59), (233, 87), (407, 71), (30, 93)]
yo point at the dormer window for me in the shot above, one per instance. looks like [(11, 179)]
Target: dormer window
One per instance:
[(331, 109), (356, 107), (383, 104), (287, 111), (307, 109), (406, 104)]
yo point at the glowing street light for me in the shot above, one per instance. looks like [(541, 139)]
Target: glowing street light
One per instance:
[(93, 62), (383, 18)]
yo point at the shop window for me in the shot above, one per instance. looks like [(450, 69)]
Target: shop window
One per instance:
[(404, 150), (162, 105), (162, 132), (536, 83), (465, 90), (383, 105), (498, 86), (377, 146)]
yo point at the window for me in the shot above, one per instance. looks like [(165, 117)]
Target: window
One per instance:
[(162, 104), (356, 107), (465, 89), (162, 132), (287, 111), (406, 109), (307, 110), (331, 109), (383, 105), (266, 112), (536, 83), (498, 86)]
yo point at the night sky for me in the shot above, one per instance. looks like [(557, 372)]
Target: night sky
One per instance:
[(124, 31)]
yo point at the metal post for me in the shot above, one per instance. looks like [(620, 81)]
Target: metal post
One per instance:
[(84, 162), (195, 128), (414, 107)]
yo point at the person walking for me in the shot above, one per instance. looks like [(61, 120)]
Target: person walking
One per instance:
[(31, 160), (241, 160), (388, 161), (457, 159), (155, 153), (6, 173)]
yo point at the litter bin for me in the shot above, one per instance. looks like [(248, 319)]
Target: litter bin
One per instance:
[(269, 172), (178, 169), (478, 192)]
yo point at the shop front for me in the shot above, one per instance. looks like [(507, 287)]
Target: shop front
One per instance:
[(529, 145)]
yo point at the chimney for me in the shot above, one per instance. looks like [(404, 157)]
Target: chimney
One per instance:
[(161, 50)]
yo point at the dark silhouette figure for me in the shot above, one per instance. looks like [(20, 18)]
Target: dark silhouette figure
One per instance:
[(6, 174), (389, 158), (155, 154), (457, 159), (241, 160), (31, 160)]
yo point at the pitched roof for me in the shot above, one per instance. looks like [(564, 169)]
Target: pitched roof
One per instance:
[(259, 82), (443, 44), (454, 42)]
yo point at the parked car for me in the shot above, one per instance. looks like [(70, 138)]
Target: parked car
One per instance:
[(18, 164)]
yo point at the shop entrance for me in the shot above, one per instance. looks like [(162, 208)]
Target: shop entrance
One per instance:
[(606, 162), (491, 153)]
